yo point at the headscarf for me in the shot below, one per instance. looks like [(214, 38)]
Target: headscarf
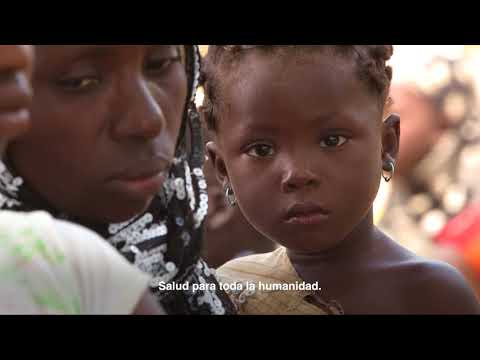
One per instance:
[(165, 240)]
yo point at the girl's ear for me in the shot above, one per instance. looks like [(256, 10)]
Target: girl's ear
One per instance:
[(390, 140), (216, 159)]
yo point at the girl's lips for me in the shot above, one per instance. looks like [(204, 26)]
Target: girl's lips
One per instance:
[(306, 214), (311, 219)]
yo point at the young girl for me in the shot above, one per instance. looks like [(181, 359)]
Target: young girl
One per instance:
[(300, 146)]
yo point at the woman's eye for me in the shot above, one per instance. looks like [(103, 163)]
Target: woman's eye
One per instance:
[(80, 83), (333, 141), (261, 151), (161, 65)]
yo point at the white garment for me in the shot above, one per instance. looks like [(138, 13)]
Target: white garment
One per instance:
[(53, 267)]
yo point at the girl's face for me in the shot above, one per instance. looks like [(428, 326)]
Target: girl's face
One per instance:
[(300, 142), (105, 122), (16, 63)]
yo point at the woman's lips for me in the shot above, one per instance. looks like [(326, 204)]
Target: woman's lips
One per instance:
[(141, 182), (141, 186)]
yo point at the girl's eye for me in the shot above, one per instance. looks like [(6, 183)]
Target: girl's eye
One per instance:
[(261, 151), (333, 141), (80, 83)]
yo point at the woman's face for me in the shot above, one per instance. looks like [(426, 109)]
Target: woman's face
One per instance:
[(105, 122), (16, 63)]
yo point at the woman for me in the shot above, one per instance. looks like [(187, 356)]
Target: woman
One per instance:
[(116, 146), (53, 267)]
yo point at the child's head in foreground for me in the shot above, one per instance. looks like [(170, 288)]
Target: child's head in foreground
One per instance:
[(301, 141)]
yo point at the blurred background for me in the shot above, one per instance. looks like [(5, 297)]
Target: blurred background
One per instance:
[(432, 206)]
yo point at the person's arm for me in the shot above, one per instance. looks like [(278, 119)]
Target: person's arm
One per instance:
[(53, 267), (148, 305), (109, 283)]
